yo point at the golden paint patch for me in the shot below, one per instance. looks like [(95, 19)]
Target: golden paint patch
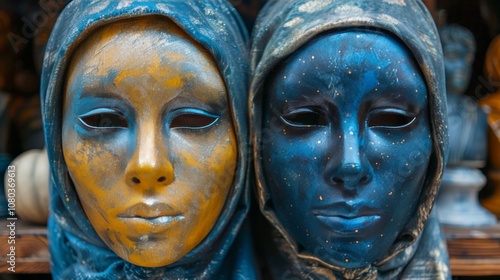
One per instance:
[(174, 82)]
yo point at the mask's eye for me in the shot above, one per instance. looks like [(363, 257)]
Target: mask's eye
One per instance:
[(103, 118), (305, 117), (390, 119), (193, 119)]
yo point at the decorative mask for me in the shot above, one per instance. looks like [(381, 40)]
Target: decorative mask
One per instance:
[(346, 144), (148, 138)]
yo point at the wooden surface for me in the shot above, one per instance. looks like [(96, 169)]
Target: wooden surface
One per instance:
[(31, 247), (474, 251)]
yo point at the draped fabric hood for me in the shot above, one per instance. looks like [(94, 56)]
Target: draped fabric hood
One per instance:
[(77, 251), (282, 28)]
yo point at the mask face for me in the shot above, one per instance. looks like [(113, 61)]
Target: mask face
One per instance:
[(458, 66), (345, 144), (148, 139)]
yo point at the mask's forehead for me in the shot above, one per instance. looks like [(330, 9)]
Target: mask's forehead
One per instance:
[(281, 29)]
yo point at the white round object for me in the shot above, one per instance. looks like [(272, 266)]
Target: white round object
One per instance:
[(31, 185)]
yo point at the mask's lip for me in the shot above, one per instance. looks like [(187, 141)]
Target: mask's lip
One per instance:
[(151, 211), (346, 210), (349, 218)]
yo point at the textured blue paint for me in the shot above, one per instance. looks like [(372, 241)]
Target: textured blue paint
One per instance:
[(283, 29), (337, 184)]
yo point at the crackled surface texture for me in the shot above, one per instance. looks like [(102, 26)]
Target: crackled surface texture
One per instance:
[(155, 132), (144, 106)]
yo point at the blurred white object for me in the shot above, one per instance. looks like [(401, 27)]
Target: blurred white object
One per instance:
[(457, 203), (32, 185)]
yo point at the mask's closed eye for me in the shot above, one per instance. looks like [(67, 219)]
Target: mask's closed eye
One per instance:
[(103, 118), (305, 117), (193, 119), (390, 118)]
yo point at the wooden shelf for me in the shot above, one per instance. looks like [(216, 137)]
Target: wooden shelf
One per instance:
[(474, 251), (31, 247)]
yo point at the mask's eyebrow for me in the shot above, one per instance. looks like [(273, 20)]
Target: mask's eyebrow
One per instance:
[(101, 94), (188, 99), (92, 85)]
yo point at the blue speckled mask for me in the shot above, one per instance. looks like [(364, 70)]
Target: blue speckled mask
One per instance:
[(347, 144), (348, 114)]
